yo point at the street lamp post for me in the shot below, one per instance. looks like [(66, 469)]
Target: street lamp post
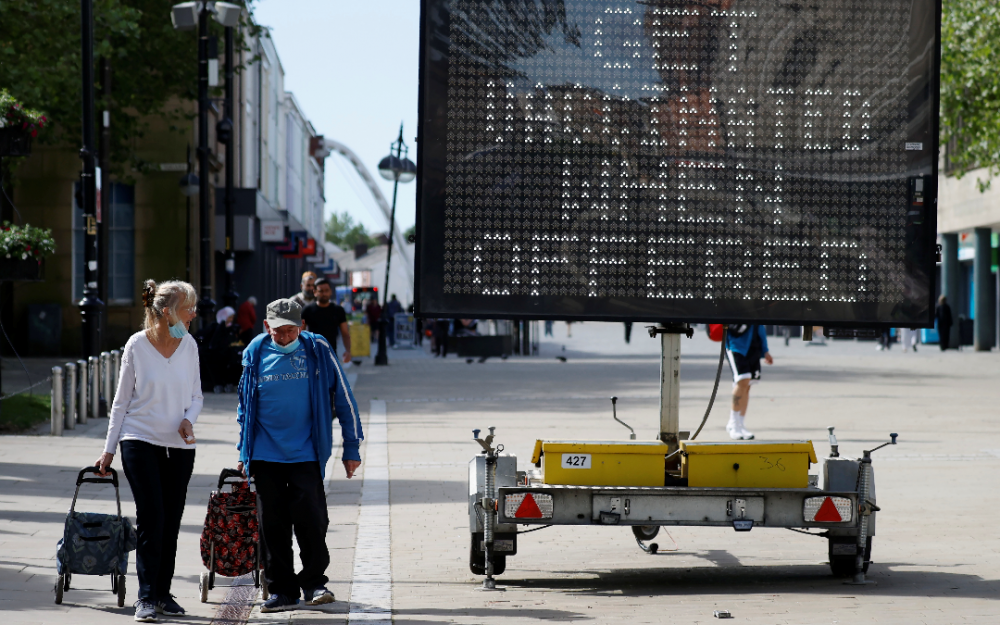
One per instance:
[(225, 131), (185, 16), (91, 305), (398, 168)]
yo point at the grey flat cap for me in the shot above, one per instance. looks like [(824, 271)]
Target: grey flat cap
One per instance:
[(283, 312)]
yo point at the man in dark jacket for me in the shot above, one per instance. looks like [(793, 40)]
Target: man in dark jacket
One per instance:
[(292, 388), (943, 316)]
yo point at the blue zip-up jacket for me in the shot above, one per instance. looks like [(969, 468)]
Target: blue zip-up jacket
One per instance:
[(330, 395), (741, 344)]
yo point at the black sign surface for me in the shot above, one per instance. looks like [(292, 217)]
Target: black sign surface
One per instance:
[(728, 160)]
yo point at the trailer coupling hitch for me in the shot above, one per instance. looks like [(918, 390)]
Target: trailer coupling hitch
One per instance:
[(614, 415)]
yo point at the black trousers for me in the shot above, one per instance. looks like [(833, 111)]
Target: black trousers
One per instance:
[(159, 479), (292, 499)]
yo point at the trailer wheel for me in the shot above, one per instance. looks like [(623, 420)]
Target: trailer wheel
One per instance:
[(477, 560), (60, 583), (645, 532), (843, 565)]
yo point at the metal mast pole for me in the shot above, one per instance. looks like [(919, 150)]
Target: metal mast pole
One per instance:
[(206, 306), (231, 297), (91, 305)]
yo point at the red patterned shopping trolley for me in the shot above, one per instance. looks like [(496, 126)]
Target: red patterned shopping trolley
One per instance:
[(231, 540)]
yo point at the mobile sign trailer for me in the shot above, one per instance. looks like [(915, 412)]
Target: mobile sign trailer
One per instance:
[(677, 162)]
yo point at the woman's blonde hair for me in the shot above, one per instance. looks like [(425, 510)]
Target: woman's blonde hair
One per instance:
[(172, 295)]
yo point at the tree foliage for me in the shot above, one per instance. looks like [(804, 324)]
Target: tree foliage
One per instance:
[(154, 68), (970, 84), (342, 231)]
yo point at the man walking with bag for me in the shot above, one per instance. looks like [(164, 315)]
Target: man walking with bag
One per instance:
[(292, 388)]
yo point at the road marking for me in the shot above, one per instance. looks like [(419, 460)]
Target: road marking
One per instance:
[(371, 587)]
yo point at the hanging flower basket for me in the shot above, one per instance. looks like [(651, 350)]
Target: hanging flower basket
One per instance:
[(15, 142), (18, 126), (18, 270), (22, 249)]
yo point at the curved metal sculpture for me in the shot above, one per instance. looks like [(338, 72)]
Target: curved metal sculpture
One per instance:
[(398, 242)]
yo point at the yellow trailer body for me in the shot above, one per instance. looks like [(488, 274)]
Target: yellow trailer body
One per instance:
[(747, 464), (603, 463)]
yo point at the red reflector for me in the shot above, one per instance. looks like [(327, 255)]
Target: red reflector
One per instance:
[(827, 513), (528, 509)]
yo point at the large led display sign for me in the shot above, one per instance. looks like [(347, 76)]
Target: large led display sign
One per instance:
[(725, 160)]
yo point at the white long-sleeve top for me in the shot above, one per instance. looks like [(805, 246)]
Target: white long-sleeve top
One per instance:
[(155, 394)]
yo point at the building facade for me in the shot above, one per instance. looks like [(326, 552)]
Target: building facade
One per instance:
[(149, 228)]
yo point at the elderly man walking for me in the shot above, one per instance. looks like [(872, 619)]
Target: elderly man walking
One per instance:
[(292, 388)]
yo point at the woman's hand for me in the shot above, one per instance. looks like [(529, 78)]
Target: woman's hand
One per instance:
[(186, 430), (103, 463)]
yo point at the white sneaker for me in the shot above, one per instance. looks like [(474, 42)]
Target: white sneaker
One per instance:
[(746, 434), (735, 430)]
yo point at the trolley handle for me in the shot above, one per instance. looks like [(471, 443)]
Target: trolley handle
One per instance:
[(228, 474), (80, 479)]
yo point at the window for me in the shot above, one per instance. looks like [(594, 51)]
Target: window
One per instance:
[(121, 246)]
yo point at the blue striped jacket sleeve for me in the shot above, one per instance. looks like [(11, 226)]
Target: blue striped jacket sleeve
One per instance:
[(345, 407)]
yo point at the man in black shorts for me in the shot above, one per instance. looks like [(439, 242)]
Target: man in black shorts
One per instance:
[(745, 346), (326, 318)]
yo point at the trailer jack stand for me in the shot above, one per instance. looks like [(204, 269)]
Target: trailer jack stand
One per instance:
[(651, 549)]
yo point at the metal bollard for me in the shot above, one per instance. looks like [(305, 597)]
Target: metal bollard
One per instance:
[(56, 401), (69, 417), (83, 390), (95, 386), (106, 379), (116, 367)]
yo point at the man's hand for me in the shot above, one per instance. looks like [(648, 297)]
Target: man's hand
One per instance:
[(351, 466), (105, 461), (768, 359), (347, 357), (239, 467), (186, 430)]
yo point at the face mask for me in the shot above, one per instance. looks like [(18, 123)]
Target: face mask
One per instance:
[(286, 349), (178, 330)]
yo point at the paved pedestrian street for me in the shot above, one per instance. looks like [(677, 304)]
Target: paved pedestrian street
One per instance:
[(399, 532)]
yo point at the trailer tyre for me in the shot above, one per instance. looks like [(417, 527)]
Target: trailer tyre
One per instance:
[(844, 565), (477, 560), (645, 532)]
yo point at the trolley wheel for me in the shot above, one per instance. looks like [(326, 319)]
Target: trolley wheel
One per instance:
[(203, 586), (645, 532), (121, 591), (60, 584), (477, 559), (211, 580), (844, 565), (68, 577)]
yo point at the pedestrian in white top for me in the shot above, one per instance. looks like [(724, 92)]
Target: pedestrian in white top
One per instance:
[(152, 420)]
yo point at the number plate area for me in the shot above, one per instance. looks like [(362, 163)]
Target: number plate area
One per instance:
[(576, 461), (678, 509)]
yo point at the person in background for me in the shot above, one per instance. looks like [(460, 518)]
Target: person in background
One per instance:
[(942, 313), (745, 346), (308, 294), (374, 313), (152, 420), (326, 318), (910, 339), (223, 355), (628, 332), (392, 309), (246, 318), (440, 337), (569, 329), (291, 390), (548, 327)]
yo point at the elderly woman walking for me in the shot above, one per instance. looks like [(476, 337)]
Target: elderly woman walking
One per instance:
[(152, 418)]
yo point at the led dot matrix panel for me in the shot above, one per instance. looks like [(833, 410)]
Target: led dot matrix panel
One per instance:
[(656, 160)]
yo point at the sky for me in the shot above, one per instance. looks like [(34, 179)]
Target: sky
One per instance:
[(353, 69)]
